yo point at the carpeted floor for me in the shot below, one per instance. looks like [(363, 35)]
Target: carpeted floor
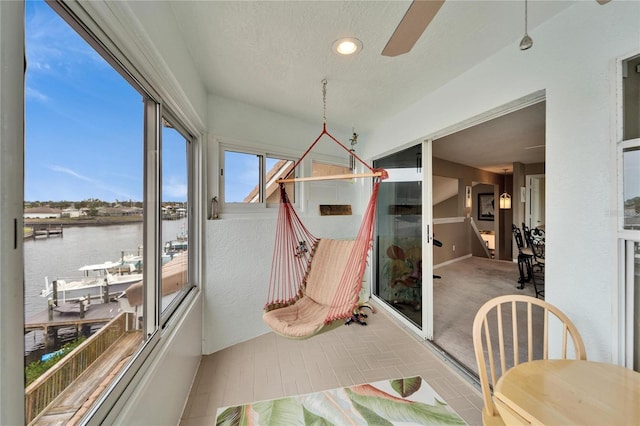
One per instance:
[(464, 287), (407, 401)]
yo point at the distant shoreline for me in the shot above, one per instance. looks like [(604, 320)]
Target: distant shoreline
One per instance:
[(84, 221)]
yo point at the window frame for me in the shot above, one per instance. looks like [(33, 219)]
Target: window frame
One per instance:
[(623, 288), (150, 84), (304, 169), (170, 309), (324, 162), (263, 153)]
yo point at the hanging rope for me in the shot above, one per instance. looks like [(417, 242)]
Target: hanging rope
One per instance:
[(293, 250), (324, 132), (315, 282), (324, 101), (346, 299)]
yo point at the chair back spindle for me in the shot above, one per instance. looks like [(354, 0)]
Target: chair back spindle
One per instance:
[(530, 316)]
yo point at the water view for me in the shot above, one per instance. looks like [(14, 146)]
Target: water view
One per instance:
[(61, 257)]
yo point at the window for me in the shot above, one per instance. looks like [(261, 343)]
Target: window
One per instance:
[(174, 282), (84, 165), (100, 148), (252, 178), (627, 293), (325, 169)]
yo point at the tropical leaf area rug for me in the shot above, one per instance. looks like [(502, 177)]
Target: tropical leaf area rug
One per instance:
[(408, 401)]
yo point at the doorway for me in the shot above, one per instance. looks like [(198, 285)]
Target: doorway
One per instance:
[(534, 203), (475, 260)]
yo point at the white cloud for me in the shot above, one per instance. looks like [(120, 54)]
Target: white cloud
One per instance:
[(71, 172), (34, 94), (174, 190), (97, 184)]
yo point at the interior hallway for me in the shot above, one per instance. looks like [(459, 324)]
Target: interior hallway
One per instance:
[(271, 366)]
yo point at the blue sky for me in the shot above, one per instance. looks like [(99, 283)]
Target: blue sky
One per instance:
[(84, 122)]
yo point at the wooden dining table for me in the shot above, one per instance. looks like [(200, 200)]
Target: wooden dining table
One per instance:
[(564, 392)]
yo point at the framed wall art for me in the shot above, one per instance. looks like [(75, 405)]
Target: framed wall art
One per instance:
[(486, 207)]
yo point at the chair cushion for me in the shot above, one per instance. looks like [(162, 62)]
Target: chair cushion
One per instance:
[(325, 271), (306, 317), (303, 319)]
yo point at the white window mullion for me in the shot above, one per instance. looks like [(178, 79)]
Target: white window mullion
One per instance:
[(261, 174), (629, 302), (152, 212)]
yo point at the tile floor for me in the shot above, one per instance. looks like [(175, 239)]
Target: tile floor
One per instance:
[(270, 367)]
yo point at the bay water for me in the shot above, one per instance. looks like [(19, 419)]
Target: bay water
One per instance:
[(61, 257)]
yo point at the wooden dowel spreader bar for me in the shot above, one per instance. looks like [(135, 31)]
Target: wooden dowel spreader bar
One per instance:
[(333, 177)]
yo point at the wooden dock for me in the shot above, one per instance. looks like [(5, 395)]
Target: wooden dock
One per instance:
[(67, 316), (48, 230)]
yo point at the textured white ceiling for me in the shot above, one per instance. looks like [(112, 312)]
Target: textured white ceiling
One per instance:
[(274, 54), (494, 145)]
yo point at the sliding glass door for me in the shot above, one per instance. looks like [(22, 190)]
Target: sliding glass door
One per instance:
[(399, 256)]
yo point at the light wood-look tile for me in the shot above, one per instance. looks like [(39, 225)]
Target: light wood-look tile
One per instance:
[(270, 366)]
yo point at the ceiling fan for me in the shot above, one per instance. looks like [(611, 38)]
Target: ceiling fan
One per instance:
[(411, 27), (413, 24)]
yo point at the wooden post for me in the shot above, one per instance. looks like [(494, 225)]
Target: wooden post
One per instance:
[(105, 291), (86, 330), (55, 292), (50, 310), (50, 339), (81, 307)]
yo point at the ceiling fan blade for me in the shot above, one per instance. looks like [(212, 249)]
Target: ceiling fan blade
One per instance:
[(411, 27), (603, 1)]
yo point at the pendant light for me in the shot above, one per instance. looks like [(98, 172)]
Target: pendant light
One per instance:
[(505, 198), (526, 41)]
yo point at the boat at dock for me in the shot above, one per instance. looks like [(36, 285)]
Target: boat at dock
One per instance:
[(173, 247), (110, 278)]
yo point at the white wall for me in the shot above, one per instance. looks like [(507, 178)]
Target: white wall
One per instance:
[(161, 394), (571, 59), (238, 267), (183, 82)]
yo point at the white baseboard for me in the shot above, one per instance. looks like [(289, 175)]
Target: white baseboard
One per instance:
[(449, 262)]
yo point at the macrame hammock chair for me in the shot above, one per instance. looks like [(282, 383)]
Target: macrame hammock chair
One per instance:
[(315, 283)]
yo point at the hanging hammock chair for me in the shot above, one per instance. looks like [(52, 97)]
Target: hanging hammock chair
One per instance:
[(315, 283)]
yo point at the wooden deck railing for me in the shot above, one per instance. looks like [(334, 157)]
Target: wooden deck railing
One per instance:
[(40, 393)]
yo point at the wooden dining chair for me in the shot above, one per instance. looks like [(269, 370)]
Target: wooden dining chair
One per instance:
[(512, 329)]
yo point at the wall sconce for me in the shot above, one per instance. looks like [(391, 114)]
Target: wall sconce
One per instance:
[(505, 198), (467, 197)]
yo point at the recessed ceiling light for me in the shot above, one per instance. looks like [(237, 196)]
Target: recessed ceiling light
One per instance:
[(347, 46)]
